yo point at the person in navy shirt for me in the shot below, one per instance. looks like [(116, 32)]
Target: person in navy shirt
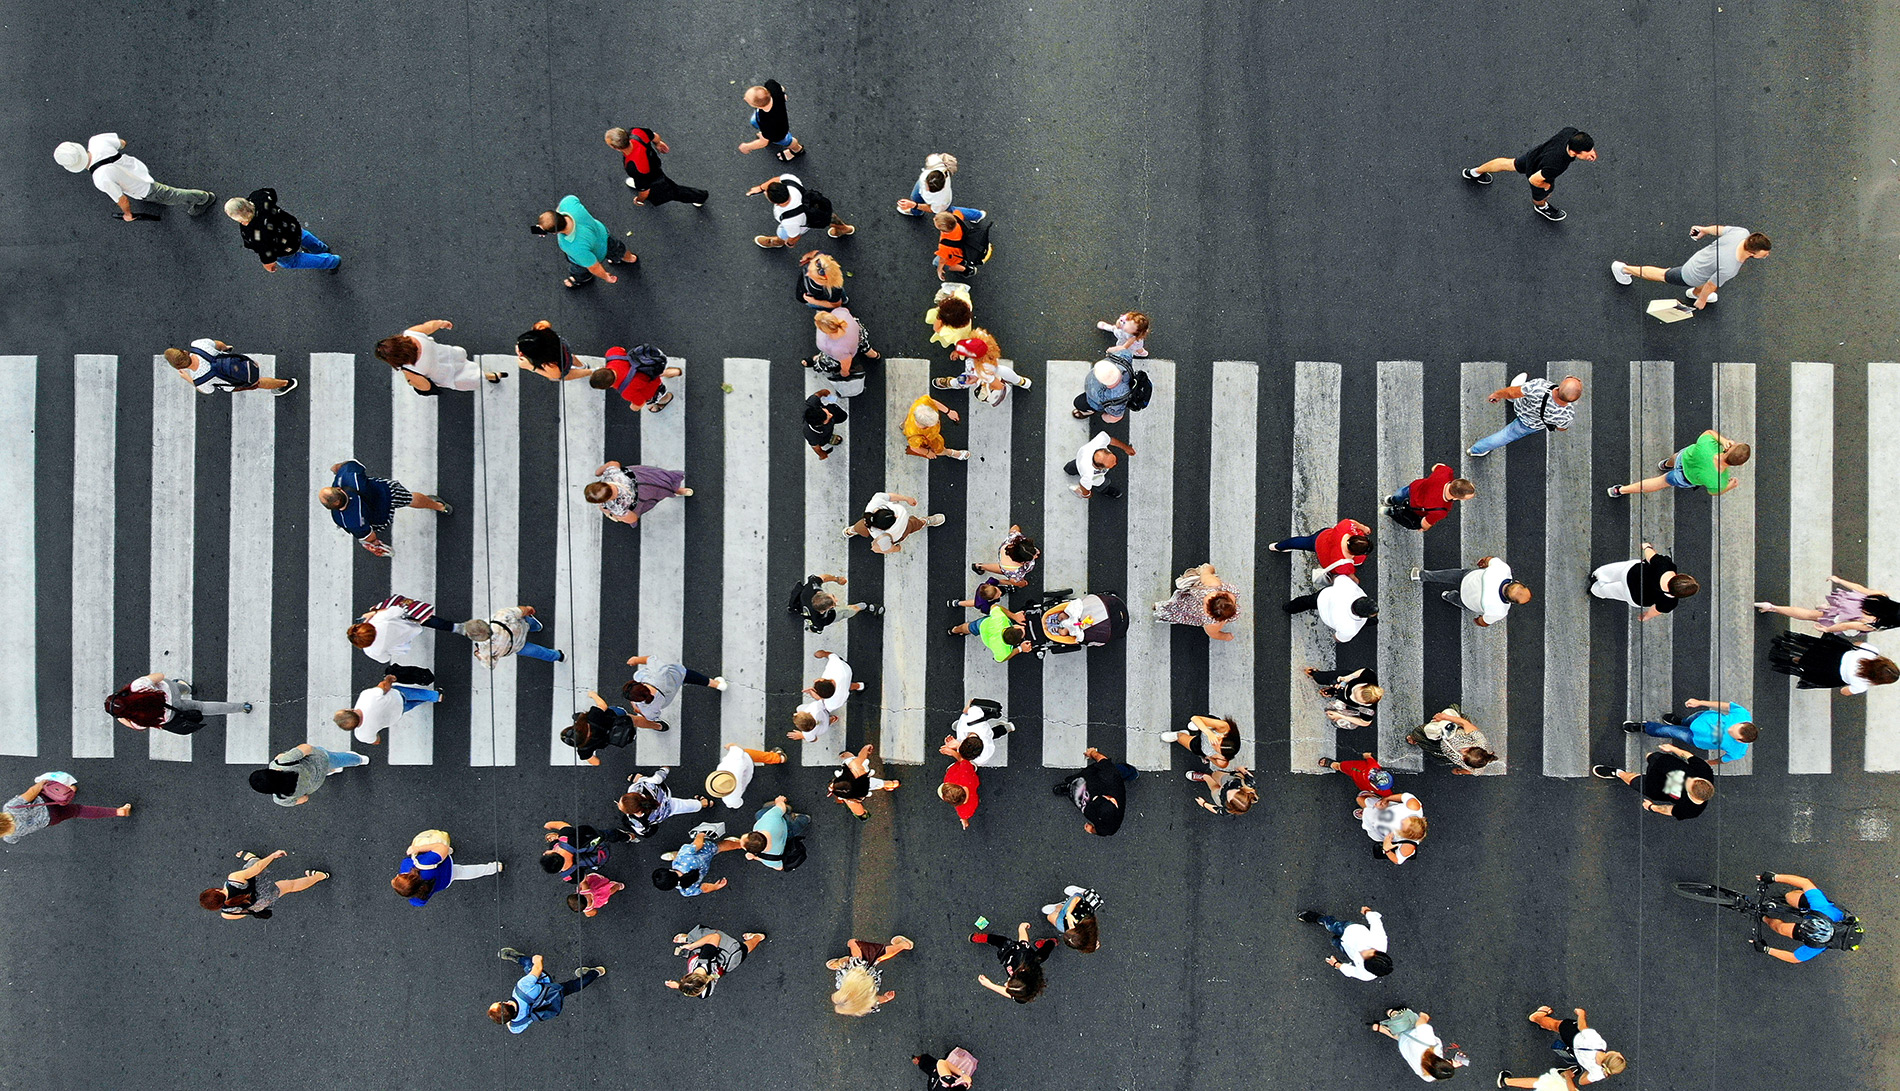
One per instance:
[(536, 997), (365, 506)]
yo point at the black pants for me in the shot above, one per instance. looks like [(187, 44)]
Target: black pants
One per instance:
[(664, 189), (411, 676), (1303, 604), (1104, 488)]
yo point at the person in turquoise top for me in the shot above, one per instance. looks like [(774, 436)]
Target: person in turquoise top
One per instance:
[(1726, 727), (589, 246), (1003, 634), (1703, 464)]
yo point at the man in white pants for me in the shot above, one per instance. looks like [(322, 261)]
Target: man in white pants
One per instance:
[(124, 179)]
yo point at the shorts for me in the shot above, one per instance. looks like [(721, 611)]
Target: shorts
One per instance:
[(1675, 475), (399, 496), (1673, 275), (785, 143), (870, 950)]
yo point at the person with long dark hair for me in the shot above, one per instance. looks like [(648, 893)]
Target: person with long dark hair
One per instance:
[(295, 775), (1829, 660), (1076, 916), (165, 703), (1428, 1058), (242, 895), (1848, 608), (1022, 961)]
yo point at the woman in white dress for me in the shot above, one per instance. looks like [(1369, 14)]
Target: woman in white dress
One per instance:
[(428, 366)]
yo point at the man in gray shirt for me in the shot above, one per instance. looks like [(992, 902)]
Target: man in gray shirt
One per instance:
[(295, 775), (1711, 267)]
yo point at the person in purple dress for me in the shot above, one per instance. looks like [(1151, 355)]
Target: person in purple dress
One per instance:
[(624, 494), (1849, 608)]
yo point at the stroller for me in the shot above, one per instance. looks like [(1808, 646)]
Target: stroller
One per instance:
[(1058, 623)]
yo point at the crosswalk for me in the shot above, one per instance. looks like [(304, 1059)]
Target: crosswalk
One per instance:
[(246, 448)]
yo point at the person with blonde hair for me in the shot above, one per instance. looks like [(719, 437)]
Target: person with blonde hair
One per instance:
[(624, 494), (856, 977), (821, 281), (1578, 1045), (1232, 789), (1395, 821), (710, 955), (923, 430), (1351, 699), (844, 350)]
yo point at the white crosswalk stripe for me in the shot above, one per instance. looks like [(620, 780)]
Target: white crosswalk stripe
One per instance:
[(1065, 564), (662, 534), (1811, 549), (412, 461), (748, 458), (1315, 505), (329, 553), (94, 538), (1730, 585), (1652, 518), (986, 524), (174, 519), (577, 541), (907, 629), (1484, 695), (827, 510), (19, 708), (495, 508), (1401, 629), (248, 622), (1149, 505), (1569, 553), (1883, 552), (1232, 504)]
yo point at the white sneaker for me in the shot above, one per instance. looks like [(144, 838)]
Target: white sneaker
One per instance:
[(633, 185), (1520, 378), (1075, 891), (1170, 736), (1621, 272), (1051, 908), (1690, 292), (934, 520), (1025, 383), (960, 456), (717, 683)]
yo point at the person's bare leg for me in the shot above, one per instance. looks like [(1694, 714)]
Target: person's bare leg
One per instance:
[(1543, 1018), (1503, 164), (271, 384), (1647, 484), (752, 940), (1646, 272), (424, 500), (310, 879), (1625, 776), (897, 946), (1803, 613)]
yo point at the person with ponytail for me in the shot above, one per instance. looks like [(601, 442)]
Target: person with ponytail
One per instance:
[(167, 703)]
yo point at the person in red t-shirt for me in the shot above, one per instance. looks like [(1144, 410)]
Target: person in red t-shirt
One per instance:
[(647, 392), (640, 151), (959, 789), (1428, 499), (1342, 547), (1367, 773)]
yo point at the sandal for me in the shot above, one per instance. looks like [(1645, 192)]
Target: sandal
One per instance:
[(572, 283), (316, 874), (495, 376), (1076, 413), (661, 402)]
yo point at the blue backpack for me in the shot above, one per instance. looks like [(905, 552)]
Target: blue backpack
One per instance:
[(233, 368)]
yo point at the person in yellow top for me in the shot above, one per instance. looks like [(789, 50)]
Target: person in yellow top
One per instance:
[(950, 317), (923, 429)]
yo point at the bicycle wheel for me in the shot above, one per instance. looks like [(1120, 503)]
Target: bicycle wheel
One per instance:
[(1707, 892)]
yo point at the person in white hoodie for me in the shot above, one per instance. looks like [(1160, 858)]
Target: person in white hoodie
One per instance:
[(1361, 945)]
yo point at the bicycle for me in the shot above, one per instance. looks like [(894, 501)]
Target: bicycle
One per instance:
[(1761, 905)]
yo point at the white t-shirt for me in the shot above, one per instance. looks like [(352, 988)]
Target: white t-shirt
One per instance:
[(740, 764), (199, 366), (1384, 818), (791, 222), (883, 502), (1585, 1047), (1482, 591), (128, 177), (1335, 608), (394, 634), (443, 365), (1360, 937), (1850, 663), (1092, 475), (818, 712), (1412, 1046), (839, 672), (938, 200), (380, 708), (972, 722)]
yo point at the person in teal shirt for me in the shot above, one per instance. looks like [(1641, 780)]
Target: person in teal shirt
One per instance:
[(1704, 464), (1726, 727), (589, 246)]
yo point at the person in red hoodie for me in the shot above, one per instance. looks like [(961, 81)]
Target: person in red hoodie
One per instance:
[(959, 789), (1342, 547), (1420, 505)]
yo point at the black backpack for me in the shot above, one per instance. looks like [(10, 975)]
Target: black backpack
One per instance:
[(648, 361), (791, 858), (1141, 392), (232, 367), (817, 209)]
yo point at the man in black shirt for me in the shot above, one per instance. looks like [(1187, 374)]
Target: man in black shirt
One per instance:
[(772, 122), (1099, 791), (1674, 782), (640, 150), (1543, 164), (823, 414), (819, 608)]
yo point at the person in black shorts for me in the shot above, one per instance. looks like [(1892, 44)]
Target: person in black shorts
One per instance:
[(823, 414), (1542, 164), (819, 608)]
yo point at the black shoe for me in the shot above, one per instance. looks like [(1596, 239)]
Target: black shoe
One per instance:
[(874, 608), (1666, 464), (1307, 916), (1503, 1074), (1604, 772), (1061, 788), (1634, 727), (663, 727), (1470, 175), (560, 656), (283, 390), (334, 269), (1549, 212), (1672, 718)]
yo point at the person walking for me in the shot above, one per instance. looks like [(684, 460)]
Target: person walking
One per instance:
[(1367, 774), (828, 694), (379, 707), (923, 430), (963, 243), (1231, 789), (1541, 166), (536, 998), (1341, 548), (951, 316), (575, 852), (1674, 782), (1396, 822), (1724, 728), (154, 700), (960, 787), (625, 494), (212, 366), (1360, 948), (1425, 502), (777, 837), (1016, 558), (125, 178), (1022, 960), (293, 776), (689, 866), (729, 780), (819, 607), (852, 782), (1130, 332), (506, 633), (654, 687), (245, 894), (585, 241), (856, 978), (1351, 699), (429, 366), (365, 506), (279, 240), (638, 376), (887, 522), (540, 350), (1091, 464), (1709, 268), (795, 207), (956, 1072), (1106, 390), (930, 194), (592, 894), (984, 370), (821, 284), (1343, 606), (1455, 740), (1539, 405), (47, 803), (823, 414), (844, 351), (1487, 590), (647, 802), (640, 151), (710, 955), (974, 734), (387, 631), (1099, 791), (1650, 581), (1201, 598), (1703, 464), (771, 121), (428, 867), (1078, 918), (1587, 1056), (1425, 1054), (601, 726), (1822, 662), (1213, 739), (1848, 608)]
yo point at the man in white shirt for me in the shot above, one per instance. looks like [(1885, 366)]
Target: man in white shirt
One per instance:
[(1363, 945), (730, 778), (380, 706), (887, 521), (828, 694), (211, 366), (790, 207), (1342, 604), (1092, 463), (974, 733), (124, 179), (386, 631), (1486, 590)]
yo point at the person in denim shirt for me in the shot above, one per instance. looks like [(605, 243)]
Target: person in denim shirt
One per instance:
[(1106, 390), (690, 866), (536, 997)]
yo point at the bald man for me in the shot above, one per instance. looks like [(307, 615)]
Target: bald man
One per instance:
[(1542, 406)]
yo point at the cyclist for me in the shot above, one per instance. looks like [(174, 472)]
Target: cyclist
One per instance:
[(1819, 920)]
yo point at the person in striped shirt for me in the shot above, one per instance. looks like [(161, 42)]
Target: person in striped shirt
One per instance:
[(1540, 406)]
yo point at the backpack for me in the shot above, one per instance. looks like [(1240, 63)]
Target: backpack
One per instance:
[(1141, 392), (791, 858), (234, 368), (817, 208), (648, 361)]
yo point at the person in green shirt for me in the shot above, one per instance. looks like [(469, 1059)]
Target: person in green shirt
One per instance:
[(1003, 634), (1703, 464), (586, 242)]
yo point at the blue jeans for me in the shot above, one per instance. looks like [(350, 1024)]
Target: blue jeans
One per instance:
[(344, 759), (1673, 732), (568, 988), (1510, 433), (1675, 476), (314, 255), (1338, 929), (786, 143), (413, 696), (796, 825), (1403, 496), (1304, 541), (536, 651)]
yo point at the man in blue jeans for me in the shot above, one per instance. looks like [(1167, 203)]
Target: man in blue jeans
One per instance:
[(1726, 727), (1541, 406), (536, 997)]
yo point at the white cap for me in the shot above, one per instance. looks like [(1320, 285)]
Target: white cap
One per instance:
[(1107, 373), (71, 156)]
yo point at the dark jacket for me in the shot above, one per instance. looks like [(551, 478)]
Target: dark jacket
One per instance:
[(272, 233)]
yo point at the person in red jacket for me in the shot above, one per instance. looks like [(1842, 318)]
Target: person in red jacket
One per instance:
[(1420, 505), (1342, 547), (959, 789), (1366, 773)]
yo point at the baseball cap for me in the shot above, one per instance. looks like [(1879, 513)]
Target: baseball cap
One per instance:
[(972, 347)]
